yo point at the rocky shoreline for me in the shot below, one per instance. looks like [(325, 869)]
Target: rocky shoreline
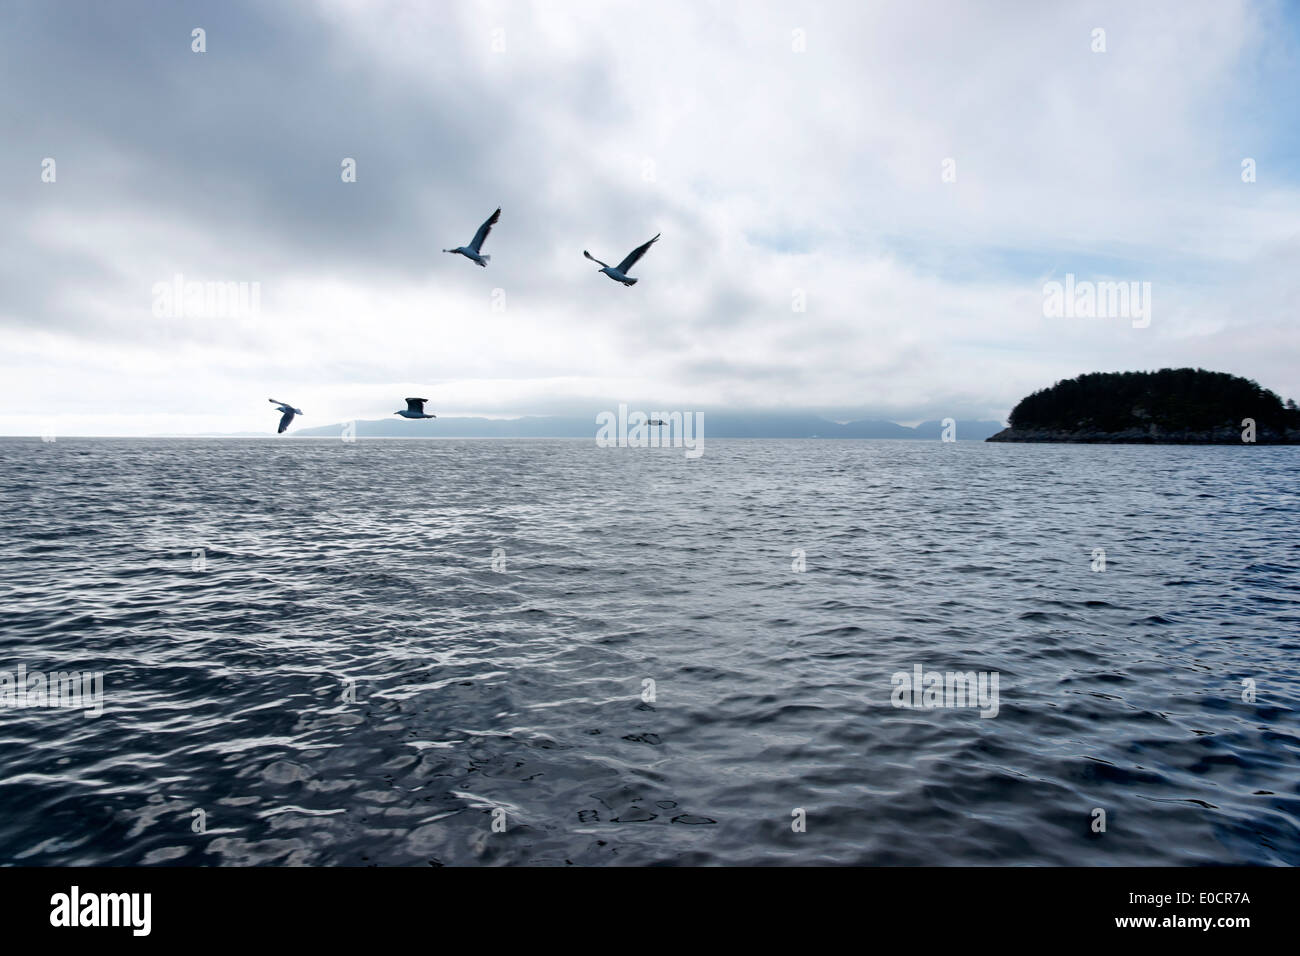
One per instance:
[(1148, 436)]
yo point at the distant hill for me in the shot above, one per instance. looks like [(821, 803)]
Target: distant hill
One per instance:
[(1171, 406), (716, 425)]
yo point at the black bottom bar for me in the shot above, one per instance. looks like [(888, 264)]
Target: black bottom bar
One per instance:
[(333, 906)]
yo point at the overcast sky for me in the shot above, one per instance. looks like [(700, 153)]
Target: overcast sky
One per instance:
[(783, 150)]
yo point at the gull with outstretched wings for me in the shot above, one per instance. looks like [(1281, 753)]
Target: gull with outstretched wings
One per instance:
[(288, 410), (472, 250), (619, 273), (414, 409)]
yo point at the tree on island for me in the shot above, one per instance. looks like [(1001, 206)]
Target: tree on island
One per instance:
[(1173, 400)]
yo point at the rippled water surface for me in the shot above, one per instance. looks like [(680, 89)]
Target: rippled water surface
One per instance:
[(328, 566)]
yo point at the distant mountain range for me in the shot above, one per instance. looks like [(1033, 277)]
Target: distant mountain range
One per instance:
[(716, 425)]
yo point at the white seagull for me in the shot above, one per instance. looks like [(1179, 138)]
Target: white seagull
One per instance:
[(619, 273), (414, 409), (472, 250), (289, 412)]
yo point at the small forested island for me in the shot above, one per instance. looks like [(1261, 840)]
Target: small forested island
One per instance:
[(1188, 406)]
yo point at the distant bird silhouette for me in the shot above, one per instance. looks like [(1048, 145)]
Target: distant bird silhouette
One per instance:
[(619, 273), (289, 412), (656, 421), (472, 250), (414, 409)]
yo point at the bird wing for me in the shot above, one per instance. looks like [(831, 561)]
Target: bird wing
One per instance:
[(274, 402), (594, 259), (416, 405), (483, 231), (284, 422), (635, 254)]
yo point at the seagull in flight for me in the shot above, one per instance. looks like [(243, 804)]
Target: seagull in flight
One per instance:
[(287, 418), (472, 250), (414, 409), (619, 273)]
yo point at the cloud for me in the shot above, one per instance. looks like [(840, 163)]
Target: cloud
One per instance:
[(778, 177)]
